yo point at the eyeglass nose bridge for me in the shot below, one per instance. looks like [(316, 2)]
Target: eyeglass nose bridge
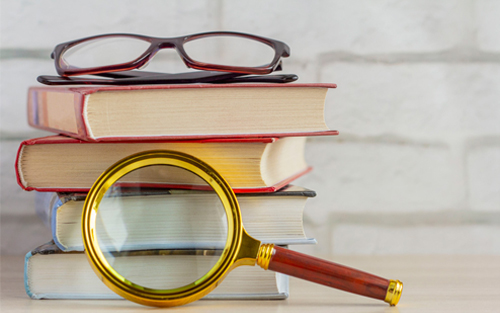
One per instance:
[(162, 44), (166, 45)]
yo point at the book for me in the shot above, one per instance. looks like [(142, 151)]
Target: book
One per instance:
[(63, 164), (180, 111), (270, 217), (50, 273)]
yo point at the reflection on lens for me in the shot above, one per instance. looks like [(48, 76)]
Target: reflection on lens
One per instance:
[(230, 51), (104, 52), (159, 237)]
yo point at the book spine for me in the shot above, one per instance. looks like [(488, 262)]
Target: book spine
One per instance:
[(53, 226), (43, 203), (40, 114), (19, 173), (26, 276), (46, 206)]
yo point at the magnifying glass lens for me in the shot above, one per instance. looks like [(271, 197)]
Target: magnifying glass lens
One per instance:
[(161, 227)]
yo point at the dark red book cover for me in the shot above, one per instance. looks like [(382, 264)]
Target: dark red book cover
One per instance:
[(63, 110), (59, 139)]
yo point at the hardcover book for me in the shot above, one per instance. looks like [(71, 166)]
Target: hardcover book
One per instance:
[(270, 217), (180, 111), (50, 273), (63, 164)]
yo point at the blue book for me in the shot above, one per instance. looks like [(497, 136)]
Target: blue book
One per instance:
[(50, 273), (270, 217)]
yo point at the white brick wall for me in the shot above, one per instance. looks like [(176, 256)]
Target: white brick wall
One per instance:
[(488, 24), (361, 27), (43, 24), (440, 101), (14, 91), (380, 177), (483, 172), (416, 168)]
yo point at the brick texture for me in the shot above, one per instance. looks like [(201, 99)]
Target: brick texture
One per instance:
[(316, 27), (483, 173), (436, 100), (35, 24), (379, 177), (18, 75), (416, 107), (488, 23)]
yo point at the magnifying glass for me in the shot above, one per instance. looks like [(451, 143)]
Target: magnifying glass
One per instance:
[(160, 246)]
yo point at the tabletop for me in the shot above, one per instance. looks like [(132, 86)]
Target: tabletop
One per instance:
[(431, 284)]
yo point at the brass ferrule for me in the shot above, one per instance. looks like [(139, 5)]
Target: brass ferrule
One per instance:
[(264, 255), (394, 292)]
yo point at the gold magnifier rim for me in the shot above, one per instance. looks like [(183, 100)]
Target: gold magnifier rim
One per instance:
[(149, 296)]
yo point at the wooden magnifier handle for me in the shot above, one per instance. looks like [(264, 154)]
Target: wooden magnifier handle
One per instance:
[(329, 274)]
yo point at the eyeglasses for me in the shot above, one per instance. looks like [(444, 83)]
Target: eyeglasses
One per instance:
[(123, 52), (230, 52)]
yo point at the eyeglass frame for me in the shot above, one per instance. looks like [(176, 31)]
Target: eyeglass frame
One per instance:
[(281, 49)]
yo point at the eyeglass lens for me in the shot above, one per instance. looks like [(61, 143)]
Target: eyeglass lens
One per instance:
[(230, 51), (104, 52)]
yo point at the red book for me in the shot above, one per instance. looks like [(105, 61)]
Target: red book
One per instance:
[(63, 164), (160, 112)]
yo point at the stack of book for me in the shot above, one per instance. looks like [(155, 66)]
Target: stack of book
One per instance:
[(252, 134)]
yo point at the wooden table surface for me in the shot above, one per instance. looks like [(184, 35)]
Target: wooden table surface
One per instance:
[(431, 284)]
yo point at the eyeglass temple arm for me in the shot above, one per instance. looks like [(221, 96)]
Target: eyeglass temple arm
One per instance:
[(167, 79), (282, 78)]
